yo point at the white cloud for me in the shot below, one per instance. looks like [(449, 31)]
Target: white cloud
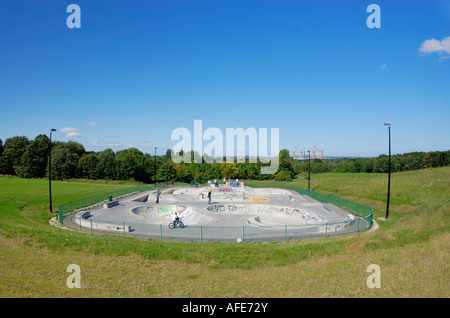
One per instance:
[(435, 46), (71, 132), (92, 123), (115, 145), (383, 66)]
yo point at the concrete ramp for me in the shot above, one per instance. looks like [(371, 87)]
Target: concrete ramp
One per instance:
[(269, 215), (163, 214)]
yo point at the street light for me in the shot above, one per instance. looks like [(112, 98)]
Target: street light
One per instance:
[(155, 167), (50, 170), (309, 168), (389, 170)]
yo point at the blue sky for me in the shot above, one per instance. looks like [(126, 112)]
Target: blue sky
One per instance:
[(136, 70)]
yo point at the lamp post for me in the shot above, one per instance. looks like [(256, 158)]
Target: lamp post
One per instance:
[(389, 170), (155, 167), (309, 169), (50, 170)]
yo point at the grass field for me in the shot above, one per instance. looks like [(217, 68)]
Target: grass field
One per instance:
[(412, 248)]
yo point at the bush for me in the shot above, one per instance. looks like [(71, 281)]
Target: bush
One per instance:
[(283, 175)]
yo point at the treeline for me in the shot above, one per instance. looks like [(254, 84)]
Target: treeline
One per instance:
[(29, 159), (399, 162)]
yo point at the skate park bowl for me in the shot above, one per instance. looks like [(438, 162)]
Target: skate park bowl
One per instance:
[(235, 214)]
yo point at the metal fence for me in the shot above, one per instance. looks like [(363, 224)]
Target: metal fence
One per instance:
[(67, 208), (211, 233), (92, 201), (361, 210)]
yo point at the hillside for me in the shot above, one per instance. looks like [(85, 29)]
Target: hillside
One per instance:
[(411, 248)]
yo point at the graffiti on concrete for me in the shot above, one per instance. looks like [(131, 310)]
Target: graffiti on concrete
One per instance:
[(259, 199), (251, 209), (225, 196), (302, 215), (154, 211), (225, 189)]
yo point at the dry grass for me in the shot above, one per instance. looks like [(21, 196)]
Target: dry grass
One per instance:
[(412, 250), (419, 270)]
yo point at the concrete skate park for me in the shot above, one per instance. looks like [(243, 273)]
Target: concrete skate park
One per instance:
[(237, 213)]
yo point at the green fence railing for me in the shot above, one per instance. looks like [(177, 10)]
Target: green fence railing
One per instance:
[(207, 233), (72, 206), (355, 208), (69, 207)]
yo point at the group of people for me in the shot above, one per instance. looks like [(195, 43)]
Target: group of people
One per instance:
[(175, 217), (224, 182), (215, 183), (158, 194)]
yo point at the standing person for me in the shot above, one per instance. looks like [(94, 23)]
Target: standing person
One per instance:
[(224, 180), (209, 197), (157, 196), (209, 183), (215, 183)]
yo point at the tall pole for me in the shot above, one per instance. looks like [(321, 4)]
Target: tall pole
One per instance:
[(155, 167), (389, 170), (309, 169), (50, 170)]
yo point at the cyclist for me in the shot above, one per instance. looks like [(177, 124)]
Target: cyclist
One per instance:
[(175, 218)]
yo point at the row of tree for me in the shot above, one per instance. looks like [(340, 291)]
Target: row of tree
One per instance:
[(399, 162), (29, 159)]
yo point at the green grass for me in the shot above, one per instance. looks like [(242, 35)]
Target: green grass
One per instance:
[(411, 248)]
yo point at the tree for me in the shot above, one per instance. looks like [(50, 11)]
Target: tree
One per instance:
[(183, 172), (283, 175), (434, 159), (284, 154), (13, 150), (360, 165), (197, 172), (346, 166), (210, 173), (167, 172), (125, 165), (168, 156), (381, 164), (319, 166), (106, 165), (64, 163), (76, 148), (88, 166), (130, 165), (228, 170), (149, 168), (296, 165), (413, 160), (369, 165), (286, 163), (34, 161), (251, 171)]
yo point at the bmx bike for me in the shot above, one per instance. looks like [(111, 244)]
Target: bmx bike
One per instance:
[(175, 224)]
